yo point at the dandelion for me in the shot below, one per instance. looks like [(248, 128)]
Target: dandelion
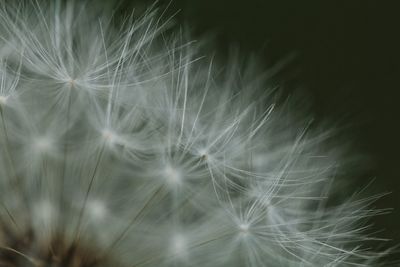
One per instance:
[(121, 146)]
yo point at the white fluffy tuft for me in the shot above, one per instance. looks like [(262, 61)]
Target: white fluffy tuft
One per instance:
[(124, 139)]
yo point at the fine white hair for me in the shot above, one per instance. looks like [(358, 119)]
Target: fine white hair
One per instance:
[(128, 140)]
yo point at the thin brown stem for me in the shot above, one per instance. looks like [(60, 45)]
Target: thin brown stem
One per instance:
[(92, 179)]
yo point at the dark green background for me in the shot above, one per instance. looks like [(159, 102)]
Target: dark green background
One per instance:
[(347, 57)]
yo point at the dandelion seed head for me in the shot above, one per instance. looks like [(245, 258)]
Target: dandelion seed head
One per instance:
[(97, 209), (244, 231), (44, 211), (109, 136), (3, 100), (172, 175), (178, 245), (204, 154), (42, 144), (244, 228), (163, 157), (72, 82)]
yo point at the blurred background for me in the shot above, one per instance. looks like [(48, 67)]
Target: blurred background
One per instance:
[(344, 54)]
